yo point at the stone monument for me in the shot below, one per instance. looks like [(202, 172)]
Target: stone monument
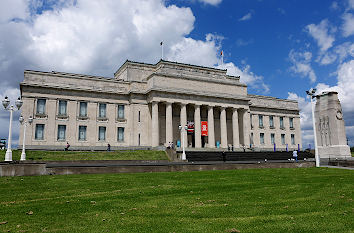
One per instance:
[(330, 129)]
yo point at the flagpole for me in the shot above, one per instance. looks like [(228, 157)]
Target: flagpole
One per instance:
[(222, 58), (161, 50)]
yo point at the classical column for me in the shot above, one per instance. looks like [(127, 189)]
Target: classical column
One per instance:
[(235, 130), (183, 118), (169, 128), (211, 135), (223, 128), (197, 127), (246, 127), (155, 124)]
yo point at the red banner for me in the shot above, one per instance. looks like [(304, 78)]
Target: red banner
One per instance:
[(204, 128)]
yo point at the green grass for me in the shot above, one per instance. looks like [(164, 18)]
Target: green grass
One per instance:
[(255, 200), (88, 155)]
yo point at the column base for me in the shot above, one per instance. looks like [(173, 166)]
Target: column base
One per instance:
[(8, 155), (23, 156), (338, 151)]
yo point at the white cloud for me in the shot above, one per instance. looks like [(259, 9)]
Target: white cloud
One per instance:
[(340, 52), (345, 89), (328, 58), (13, 9), (95, 38), (321, 35), (351, 4), (211, 2), (305, 119), (246, 17), (196, 52), (246, 76), (334, 6), (348, 25), (301, 64)]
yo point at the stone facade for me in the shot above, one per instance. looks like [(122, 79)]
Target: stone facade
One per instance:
[(330, 129), (86, 111)]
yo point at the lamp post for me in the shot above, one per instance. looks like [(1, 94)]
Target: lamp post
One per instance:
[(311, 93), (183, 130), (22, 121), (6, 103)]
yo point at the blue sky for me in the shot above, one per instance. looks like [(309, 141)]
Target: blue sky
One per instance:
[(278, 48), (264, 41)]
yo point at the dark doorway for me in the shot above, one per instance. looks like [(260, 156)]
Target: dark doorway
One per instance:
[(203, 141)]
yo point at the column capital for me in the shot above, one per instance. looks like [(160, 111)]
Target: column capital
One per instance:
[(181, 103)]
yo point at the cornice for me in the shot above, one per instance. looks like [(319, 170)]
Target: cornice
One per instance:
[(69, 87), (74, 76), (229, 80), (272, 109), (198, 93), (270, 98)]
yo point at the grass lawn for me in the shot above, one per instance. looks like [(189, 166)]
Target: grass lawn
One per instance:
[(254, 200), (88, 155)]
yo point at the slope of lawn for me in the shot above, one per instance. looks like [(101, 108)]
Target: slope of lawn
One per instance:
[(88, 155), (254, 200)]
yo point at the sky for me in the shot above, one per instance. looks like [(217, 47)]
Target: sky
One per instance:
[(278, 48)]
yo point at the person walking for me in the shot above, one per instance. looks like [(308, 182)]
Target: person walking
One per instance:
[(108, 147), (67, 146), (295, 155)]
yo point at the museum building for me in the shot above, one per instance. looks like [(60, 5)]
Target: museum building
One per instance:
[(144, 105)]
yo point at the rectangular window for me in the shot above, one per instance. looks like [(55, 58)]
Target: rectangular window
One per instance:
[(39, 134), (261, 138), (260, 117), (101, 133), (139, 117), (82, 133), (281, 122), (272, 138), (41, 106), (120, 111), (271, 122), (62, 107), (251, 139), (102, 110), (293, 139), (283, 139), (291, 122), (120, 134), (61, 132), (139, 139), (83, 109)]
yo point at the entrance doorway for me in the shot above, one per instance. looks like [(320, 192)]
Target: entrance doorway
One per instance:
[(203, 141)]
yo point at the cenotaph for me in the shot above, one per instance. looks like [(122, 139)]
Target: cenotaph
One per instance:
[(330, 129)]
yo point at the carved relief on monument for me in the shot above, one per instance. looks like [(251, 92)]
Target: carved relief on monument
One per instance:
[(331, 138)]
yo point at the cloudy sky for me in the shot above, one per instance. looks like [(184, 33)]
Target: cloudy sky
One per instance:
[(279, 48)]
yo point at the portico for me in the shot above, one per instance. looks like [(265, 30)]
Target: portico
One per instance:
[(167, 115)]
